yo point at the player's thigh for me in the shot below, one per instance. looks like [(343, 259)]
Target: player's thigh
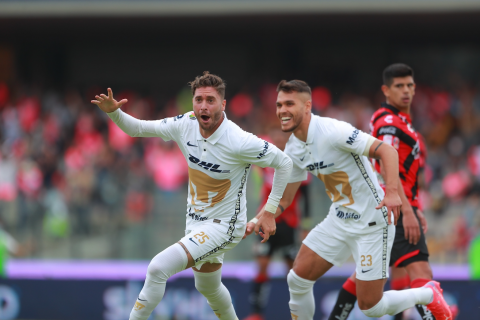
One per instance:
[(324, 246), (207, 243), (371, 253), (309, 265), (369, 293)]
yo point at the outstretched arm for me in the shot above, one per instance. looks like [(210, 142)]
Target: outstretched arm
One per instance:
[(389, 158), (130, 125)]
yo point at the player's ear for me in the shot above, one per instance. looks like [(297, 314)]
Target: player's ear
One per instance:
[(224, 103), (385, 90), (308, 106)]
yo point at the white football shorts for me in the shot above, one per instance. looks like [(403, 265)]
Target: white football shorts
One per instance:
[(208, 242), (371, 251)]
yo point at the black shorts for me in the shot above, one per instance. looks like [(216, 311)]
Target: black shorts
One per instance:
[(283, 241), (404, 253)]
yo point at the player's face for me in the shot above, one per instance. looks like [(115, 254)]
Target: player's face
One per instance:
[(400, 93), (208, 107), (291, 109)]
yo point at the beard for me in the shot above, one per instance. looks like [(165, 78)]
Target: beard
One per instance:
[(214, 117), (294, 126)]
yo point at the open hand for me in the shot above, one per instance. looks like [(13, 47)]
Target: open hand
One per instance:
[(393, 203), (108, 104), (410, 225), (423, 221)]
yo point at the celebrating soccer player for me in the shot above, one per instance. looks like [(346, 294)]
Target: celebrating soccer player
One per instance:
[(360, 221), (219, 155), (392, 125)]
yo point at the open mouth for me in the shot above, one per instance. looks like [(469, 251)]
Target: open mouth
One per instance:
[(205, 118), (285, 120)]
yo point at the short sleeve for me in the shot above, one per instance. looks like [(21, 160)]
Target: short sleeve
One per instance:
[(169, 128), (257, 151), (298, 174), (346, 137)]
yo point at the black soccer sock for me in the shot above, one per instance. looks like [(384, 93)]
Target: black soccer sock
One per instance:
[(343, 306), (424, 312), (398, 316), (259, 294)]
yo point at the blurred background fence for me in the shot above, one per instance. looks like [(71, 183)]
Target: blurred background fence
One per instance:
[(72, 185)]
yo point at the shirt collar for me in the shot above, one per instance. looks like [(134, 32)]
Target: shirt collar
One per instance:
[(217, 134), (397, 112)]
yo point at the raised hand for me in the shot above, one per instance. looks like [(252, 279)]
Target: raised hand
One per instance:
[(108, 104)]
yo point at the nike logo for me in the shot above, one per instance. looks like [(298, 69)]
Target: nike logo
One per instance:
[(193, 241), (301, 159), (191, 145), (365, 271), (141, 299)]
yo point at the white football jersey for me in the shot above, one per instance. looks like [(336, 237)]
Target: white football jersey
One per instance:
[(218, 166), (333, 152)]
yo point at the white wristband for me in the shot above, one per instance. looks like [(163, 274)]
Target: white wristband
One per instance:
[(270, 208), (254, 220)]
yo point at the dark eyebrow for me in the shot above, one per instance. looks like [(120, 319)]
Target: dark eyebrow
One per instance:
[(208, 97)]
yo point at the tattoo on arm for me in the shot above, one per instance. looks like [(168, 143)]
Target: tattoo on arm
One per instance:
[(281, 208), (374, 155)]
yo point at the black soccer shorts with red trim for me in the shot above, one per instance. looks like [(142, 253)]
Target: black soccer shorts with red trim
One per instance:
[(403, 252)]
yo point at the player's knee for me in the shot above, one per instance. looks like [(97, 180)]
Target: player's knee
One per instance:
[(367, 302), (167, 263), (297, 285), (376, 310), (156, 270)]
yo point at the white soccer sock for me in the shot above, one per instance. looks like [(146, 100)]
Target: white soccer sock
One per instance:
[(210, 285), (302, 302), (394, 302), (164, 265)]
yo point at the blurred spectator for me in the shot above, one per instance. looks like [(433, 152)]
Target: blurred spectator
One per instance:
[(66, 171)]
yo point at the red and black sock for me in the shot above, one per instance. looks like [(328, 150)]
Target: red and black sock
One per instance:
[(422, 310), (400, 284), (345, 301)]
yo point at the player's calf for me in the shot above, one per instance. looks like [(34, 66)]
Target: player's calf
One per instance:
[(210, 286), (164, 265)]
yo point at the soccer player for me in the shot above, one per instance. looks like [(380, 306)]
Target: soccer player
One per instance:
[(219, 155), (285, 239), (359, 222), (392, 125)]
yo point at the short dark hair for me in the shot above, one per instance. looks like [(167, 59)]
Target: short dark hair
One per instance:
[(209, 80), (396, 70), (294, 85)]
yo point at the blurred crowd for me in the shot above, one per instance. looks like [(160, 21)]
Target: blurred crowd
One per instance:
[(67, 172)]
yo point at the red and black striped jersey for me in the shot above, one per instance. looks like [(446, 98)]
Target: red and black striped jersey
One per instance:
[(395, 128)]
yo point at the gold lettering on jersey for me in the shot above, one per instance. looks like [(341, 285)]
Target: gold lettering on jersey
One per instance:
[(331, 182), (205, 190)]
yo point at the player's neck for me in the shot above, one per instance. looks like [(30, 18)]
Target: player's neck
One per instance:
[(301, 132), (207, 133), (401, 109)]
